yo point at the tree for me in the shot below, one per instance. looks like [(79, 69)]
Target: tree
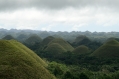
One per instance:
[(83, 76)]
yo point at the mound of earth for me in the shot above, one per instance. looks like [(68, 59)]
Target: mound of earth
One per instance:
[(19, 62), (109, 49)]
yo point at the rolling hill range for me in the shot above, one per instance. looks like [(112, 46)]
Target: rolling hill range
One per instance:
[(63, 44), (81, 50), (109, 49), (19, 62)]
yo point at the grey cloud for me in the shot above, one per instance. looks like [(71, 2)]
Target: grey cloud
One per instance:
[(55, 4)]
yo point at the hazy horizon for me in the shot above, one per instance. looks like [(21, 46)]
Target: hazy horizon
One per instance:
[(63, 15)]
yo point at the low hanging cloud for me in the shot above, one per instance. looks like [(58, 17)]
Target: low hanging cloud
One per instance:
[(55, 15), (56, 4)]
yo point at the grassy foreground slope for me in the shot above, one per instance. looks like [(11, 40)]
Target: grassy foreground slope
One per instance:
[(109, 49), (19, 62)]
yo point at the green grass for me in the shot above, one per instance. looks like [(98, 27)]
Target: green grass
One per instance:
[(109, 49), (62, 43), (81, 50), (55, 48), (19, 62), (47, 40), (33, 39)]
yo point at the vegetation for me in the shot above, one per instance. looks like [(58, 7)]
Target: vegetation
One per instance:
[(63, 43), (55, 48), (81, 50), (109, 49), (47, 40), (8, 37), (19, 62), (33, 42), (67, 55)]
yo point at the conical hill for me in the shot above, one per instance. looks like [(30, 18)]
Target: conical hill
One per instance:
[(62, 43), (81, 50), (8, 37), (33, 39), (47, 40), (109, 49), (19, 62), (55, 48), (82, 40)]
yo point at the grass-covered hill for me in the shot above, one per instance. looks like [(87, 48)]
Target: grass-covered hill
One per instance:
[(8, 37), (62, 43), (109, 49), (81, 50), (33, 39), (47, 40), (19, 62), (55, 48), (22, 37), (81, 40), (112, 38)]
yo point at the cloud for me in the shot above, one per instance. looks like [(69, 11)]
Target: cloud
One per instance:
[(55, 4), (58, 15)]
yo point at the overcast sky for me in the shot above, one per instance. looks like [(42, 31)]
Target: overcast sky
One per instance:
[(60, 15)]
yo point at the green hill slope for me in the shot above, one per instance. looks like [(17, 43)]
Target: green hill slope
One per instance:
[(22, 37), (33, 39), (8, 37), (81, 50), (82, 39), (109, 49), (55, 48), (62, 43), (19, 62), (47, 40)]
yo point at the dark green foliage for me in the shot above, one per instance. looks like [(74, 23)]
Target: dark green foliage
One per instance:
[(83, 76), (68, 75), (57, 71)]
